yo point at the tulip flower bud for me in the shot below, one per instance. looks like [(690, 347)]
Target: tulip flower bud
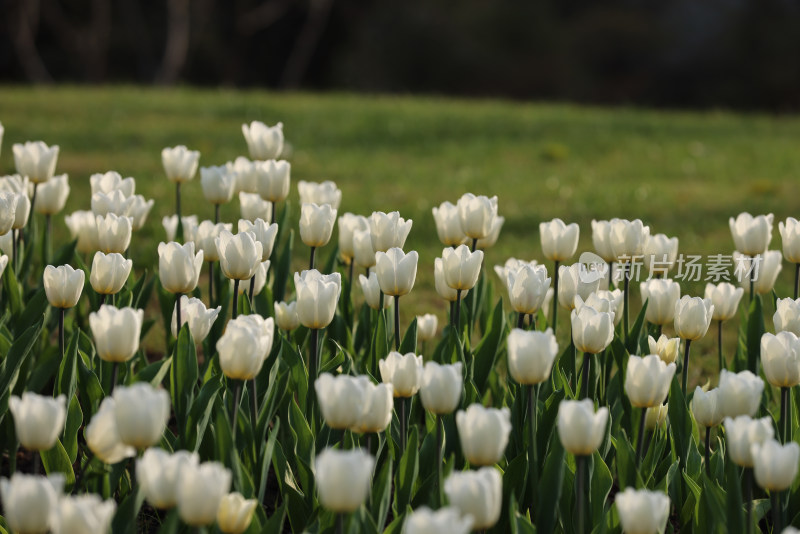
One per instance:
[(201, 489), (531, 355), (22, 210), (742, 433), (8, 206), (559, 240), (376, 412), (484, 433), (63, 285), (787, 316), (235, 513), (245, 345), (571, 283), (775, 465), (707, 408), (316, 224), (158, 473), (341, 399), (477, 214), (601, 239), (751, 235), (363, 254), (666, 348), (109, 273), (112, 181), (592, 330), (647, 380), (114, 233), (317, 296), (252, 207), (205, 239), (217, 184), (142, 412), (426, 326), (660, 253), (580, 429), (461, 267), (197, 316), (397, 271), (286, 315), (102, 435), (319, 193), (448, 224), (272, 179), (38, 420), (447, 520), (114, 202), (693, 317), (627, 238), (403, 371), (83, 514), (179, 266), (82, 226), (334, 470), (764, 273), (180, 163), (348, 225), (51, 196), (661, 296), (264, 142), (780, 359), (494, 234), (739, 393), (725, 297), (642, 511), (511, 264), (170, 225), (239, 255), (29, 501), (478, 494), (388, 230), (35, 160), (527, 286), (656, 416), (444, 290), (790, 237), (440, 390)]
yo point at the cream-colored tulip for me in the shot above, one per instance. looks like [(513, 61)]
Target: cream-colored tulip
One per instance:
[(8, 206), (790, 238), (29, 501), (659, 253), (693, 317), (739, 393), (661, 296), (656, 416), (63, 285), (707, 408), (317, 296), (477, 214), (440, 390), (448, 224), (217, 183), (139, 211), (180, 163), (341, 399), (244, 173), (114, 233), (286, 315), (592, 330), (388, 230), (114, 202), (787, 316), (461, 267), (403, 371), (38, 420), (396, 271), (51, 196), (725, 297), (263, 142), (647, 380), (102, 435), (559, 240), (239, 255), (483, 433), (527, 287), (742, 433), (158, 473), (35, 160), (22, 210), (511, 264), (667, 348), (531, 355), (199, 318), (319, 193), (601, 239), (273, 179), (751, 235), (245, 345), (478, 494), (109, 273), (763, 270), (627, 238), (348, 225), (205, 238), (252, 207), (642, 511), (235, 513), (363, 253), (82, 226), (447, 520), (494, 234), (580, 429), (179, 266), (335, 470), (83, 514), (426, 326), (260, 281), (142, 412), (201, 489), (376, 412), (170, 225), (444, 290), (572, 283), (775, 465), (780, 359), (316, 224), (112, 181)]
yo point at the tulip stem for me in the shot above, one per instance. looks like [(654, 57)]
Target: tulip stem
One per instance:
[(211, 284), (114, 374), (178, 322), (272, 211), (237, 391), (785, 426), (776, 511), (474, 244), (521, 320), (312, 360), (555, 297), (458, 313), (533, 455), (610, 275), (719, 347), (252, 289), (452, 312), (579, 490), (178, 202), (686, 365), (84, 467), (708, 450), (235, 310), (752, 279), (402, 425), (216, 213), (640, 437), (397, 323), (339, 523), (585, 376), (796, 280), (254, 395), (439, 459), (748, 498), (14, 251), (311, 261), (37, 460), (626, 298), (61, 312), (102, 300), (48, 232)]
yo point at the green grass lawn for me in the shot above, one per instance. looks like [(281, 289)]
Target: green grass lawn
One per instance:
[(682, 173)]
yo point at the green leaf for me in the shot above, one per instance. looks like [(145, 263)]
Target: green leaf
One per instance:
[(183, 378), (155, 372), (56, 460), (19, 351), (200, 412), (680, 421), (124, 521), (733, 499), (68, 370), (381, 495), (267, 453), (283, 265), (409, 343), (73, 424), (755, 329), (636, 330), (550, 485), (33, 312), (12, 292), (488, 348), (407, 471), (601, 482)]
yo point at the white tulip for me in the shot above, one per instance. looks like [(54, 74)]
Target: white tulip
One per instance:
[(559, 240), (592, 330), (403, 371), (179, 266), (35, 160), (217, 184), (531, 355), (316, 224), (477, 214), (363, 253), (348, 224), (751, 235), (199, 318), (82, 226), (426, 326), (252, 207), (335, 470), (484, 433), (601, 239), (790, 237), (440, 390), (780, 359), (660, 253), (707, 408), (461, 267), (112, 181), (571, 282), (51, 196), (142, 412), (388, 230), (319, 193), (448, 224), (114, 233), (317, 296), (273, 179), (286, 315), (376, 412), (102, 435), (627, 238), (739, 393), (83, 514), (109, 272), (647, 380), (668, 349), (494, 234), (642, 511), (693, 317), (787, 316), (158, 473), (29, 501), (114, 202), (180, 163), (235, 513), (763, 270), (264, 142), (201, 489), (527, 287), (775, 465), (447, 520), (396, 271), (725, 297), (742, 433), (478, 494), (341, 399), (38, 420), (63, 285), (661, 296), (580, 429), (239, 255), (170, 225)]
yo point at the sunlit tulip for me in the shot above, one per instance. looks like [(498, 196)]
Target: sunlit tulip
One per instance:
[(244, 175), (29, 501), (201, 489), (83, 514), (725, 297), (494, 234), (647, 380), (139, 211), (780, 359), (707, 408), (462, 268), (478, 494), (790, 238), (112, 181), (264, 233), (205, 237), (102, 435), (775, 465), (82, 226), (764, 271), (8, 206), (51, 196), (341, 399), (448, 224), (179, 266), (605, 300), (180, 163), (627, 238), (426, 326), (693, 317), (388, 230), (114, 233), (235, 513), (660, 253), (217, 184), (376, 411), (592, 330), (751, 235), (787, 316), (447, 520), (661, 296), (742, 433), (348, 224), (316, 224), (116, 332), (601, 239), (363, 253), (665, 347), (319, 193), (263, 142), (239, 255), (273, 179), (317, 296), (244, 346), (531, 355), (483, 433), (170, 225), (286, 315), (63, 285), (739, 393), (527, 286), (511, 264), (197, 316), (252, 207), (642, 511), (656, 416), (571, 282), (580, 429), (109, 273), (142, 412), (158, 473), (440, 390), (476, 214), (444, 290), (371, 290), (335, 470), (396, 271), (114, 202), (559, 240), (403, 371), (14, 183), (38, 420), (35, 160), (22, 210)]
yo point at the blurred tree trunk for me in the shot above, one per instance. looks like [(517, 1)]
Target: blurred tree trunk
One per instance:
[(306, 43), (88, 42), (177, 46), (23, 25)]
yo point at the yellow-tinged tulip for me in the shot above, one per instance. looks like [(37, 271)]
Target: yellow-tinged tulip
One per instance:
[(335, 470), (403, 372), (647, 380), (180, 163), (661, 296), (286, 315), (666, 348), (51, 196), (751, 235), (642, 511), (319, 193), (348, 225), (83, 514), (63, 285), (448, 224), (580, 429), (35, 160), (273, 179), (739, 393), (780, 359), (396, 271), (775, 465), (477, 214), (217, 184), (38, 420), (201, 489), (440, 390), (478, 494), (742, 433), (656, 416), (317, 296), (483, 433), (102, 435), (29, 501), (531, 355), (142, 412), (693, 317), (235, 513), (197, 316), (790, 237), (559, 240), (109, 272), (239, 255), (263, 142), (179, 266), (158, 473), (316, 224)]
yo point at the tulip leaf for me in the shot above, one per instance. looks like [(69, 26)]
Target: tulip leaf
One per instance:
[(155, 372), (45, 369), (755, 330), (124, 520), (56, 460), (488, 348), (89, 388), (303, 447), (297, 371), (73, 424), (34, 310), (68, 370), (635, 332), (142, 290), (520, 524), (550, 485), (16, 356), (200, 412), (380, 343), (183, 378), (515, 480), (266, 454), (282, 267), (626, 462), (12, 292), (407, 472), (409, 343), (601, 482), (381, 495), (171, 523), (547, 422)]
